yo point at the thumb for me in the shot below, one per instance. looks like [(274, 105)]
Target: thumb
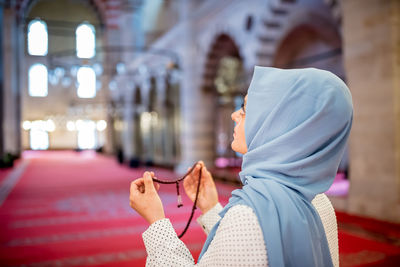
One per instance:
[(148, 182)]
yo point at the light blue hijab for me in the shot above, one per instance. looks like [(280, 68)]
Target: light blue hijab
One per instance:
[(296, 127)]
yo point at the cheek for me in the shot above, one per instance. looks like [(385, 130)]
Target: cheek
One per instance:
[(241, 130), (243, 138)]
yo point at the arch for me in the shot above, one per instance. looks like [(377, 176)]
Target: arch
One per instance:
[(24, 7), (318, 44), (307, 45), (223, 80), (282, 17), (223, 46)]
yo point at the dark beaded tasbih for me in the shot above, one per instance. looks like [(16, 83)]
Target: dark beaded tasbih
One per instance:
[(179, 195)]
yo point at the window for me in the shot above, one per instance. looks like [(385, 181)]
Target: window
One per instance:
[(38, 80), (39, 139), (37, 38), (86, 82), (86, 134), (85, 41)]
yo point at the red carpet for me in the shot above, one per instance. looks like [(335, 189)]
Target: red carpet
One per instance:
[(368, 242), (72, 209)]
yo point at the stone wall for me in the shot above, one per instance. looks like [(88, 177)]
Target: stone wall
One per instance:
[(372, 67)]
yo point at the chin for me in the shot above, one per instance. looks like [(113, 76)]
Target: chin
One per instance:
[(235, 147)]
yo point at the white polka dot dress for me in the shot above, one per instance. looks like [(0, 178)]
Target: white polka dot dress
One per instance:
[(238, 240)]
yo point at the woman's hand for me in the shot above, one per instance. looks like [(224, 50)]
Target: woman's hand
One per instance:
[(208, 195), (145, 200)]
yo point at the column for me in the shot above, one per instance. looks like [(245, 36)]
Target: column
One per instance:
[(1, 83), (128, 118), (196, 107), (11, 91), (372, 51)]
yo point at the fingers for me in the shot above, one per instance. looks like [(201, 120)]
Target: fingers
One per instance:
[(134, 188), (207, 176), (196, 170), (203, 168), (139, 185), (156, 185), (148, 181)]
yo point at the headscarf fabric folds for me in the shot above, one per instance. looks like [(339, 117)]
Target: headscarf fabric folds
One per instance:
[(296, 127)]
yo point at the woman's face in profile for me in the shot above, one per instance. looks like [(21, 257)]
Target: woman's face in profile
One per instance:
[(239, 141)]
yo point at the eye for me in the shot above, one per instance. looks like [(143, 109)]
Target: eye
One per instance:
[(242, 108)]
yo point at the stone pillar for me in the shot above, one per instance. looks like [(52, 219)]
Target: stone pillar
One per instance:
[(196, 107), (131, 39), (170, 106), (371, 48), (128, 117), (1, 84), (11, 91), (160, 125), (111, 37)]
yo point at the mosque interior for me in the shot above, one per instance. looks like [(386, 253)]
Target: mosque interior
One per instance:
[(151, 84)]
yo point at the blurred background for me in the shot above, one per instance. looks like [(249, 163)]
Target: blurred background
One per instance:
[(94, 92)]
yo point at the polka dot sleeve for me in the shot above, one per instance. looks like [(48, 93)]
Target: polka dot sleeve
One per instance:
[(237, 242), (210, 218), (163, 246)]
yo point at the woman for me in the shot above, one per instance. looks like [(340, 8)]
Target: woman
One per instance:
[(292, 132)]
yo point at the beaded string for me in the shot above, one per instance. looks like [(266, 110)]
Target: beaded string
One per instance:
[(180, 204)]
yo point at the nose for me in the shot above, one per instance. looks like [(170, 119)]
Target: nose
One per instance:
[(234, 115)]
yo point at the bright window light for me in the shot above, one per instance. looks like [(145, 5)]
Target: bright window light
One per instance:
[(85, 41), (145, 121), (71, 126), (50, 126), (38, 125), (26, 125), (38, 79), (101, 125), (39, 139), (86, 82), (86, 134), (37, 38)]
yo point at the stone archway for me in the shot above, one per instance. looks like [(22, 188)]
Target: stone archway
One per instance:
[(317, 45), (224, 79), (107, 11), (309, 46), (223, 46), (282, 16), (296, 34)]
